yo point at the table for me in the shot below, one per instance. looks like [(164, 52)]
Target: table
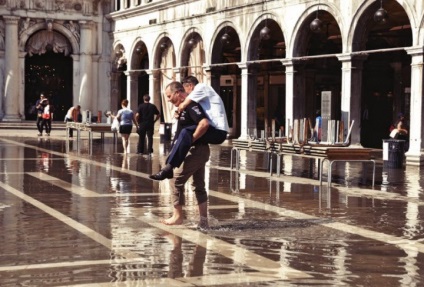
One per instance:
[(91, 128), (323, 153)]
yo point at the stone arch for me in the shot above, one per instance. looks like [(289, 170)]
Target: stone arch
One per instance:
[(137, 56), (252, 39), (118, 57), (192, 54), (164, 63), (361, 24), (215, 39), (300, 34), (75, 48), (420, 37)]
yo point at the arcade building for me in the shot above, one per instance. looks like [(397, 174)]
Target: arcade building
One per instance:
[(266, 59)]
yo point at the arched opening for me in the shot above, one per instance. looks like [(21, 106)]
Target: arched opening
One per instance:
[(140, 61), (119, 78), (319, 37), (48, 70), (164, 63), (268, 43), (226, 78), (386, 77)]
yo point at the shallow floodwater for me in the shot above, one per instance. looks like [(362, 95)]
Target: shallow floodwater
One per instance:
[(72, 214)]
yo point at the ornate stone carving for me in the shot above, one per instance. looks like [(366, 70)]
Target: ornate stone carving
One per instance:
[(87, 7), (24, 24), (48, 40), (39, 4), (60, 5), (74, 28)]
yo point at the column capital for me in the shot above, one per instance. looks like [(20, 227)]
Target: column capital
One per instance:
[(248, 67), (415, 51), (75, 57), (96, 58), (132, 74), (84, 24), (11, 19), (351, 57)]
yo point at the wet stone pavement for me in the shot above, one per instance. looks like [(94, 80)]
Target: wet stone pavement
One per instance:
[(71, 215)]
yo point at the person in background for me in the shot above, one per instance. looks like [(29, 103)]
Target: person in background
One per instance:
[(318, 126), (146, 116), (39, 105), (47, 117), (73, 115), (402, 130), (126, 119)]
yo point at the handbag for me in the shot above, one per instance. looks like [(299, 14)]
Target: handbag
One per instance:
[(46, 116), (115, 125)]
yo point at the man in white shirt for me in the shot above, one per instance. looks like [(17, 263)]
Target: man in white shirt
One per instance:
[(212, 105)]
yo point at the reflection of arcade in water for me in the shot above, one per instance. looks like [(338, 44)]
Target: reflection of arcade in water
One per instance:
[(51, 74)]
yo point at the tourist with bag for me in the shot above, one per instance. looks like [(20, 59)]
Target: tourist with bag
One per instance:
[(47, 117), (126, 118), (40, 105)]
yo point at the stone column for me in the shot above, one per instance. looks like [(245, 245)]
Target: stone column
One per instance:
[(397, 102), (248, 102), (1, 83), (351, 94), (11, 70), (86, 66), (95, 80), (177, 73), (76, 79), (22, 85), (213, 77), (290, 74), (154, 93), (132, 88), (414, 156)]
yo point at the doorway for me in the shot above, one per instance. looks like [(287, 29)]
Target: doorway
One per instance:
[(51, 74)]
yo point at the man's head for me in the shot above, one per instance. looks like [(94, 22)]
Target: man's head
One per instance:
[(42, 96), (189, 83), (175, 93), (78, 107), (146, 98)]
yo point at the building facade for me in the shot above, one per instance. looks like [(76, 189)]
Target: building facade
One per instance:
[(267, 59)]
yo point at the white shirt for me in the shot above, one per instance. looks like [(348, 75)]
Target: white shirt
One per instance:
[(212, 104)]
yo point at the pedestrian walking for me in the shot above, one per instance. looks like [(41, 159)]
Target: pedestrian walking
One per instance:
[(146, 116), (47, 117), (195, 160), (126, 119), (217, 132)]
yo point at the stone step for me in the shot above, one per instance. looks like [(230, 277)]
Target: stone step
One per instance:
[(28, 125)]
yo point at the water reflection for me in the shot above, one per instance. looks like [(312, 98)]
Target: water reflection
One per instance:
[(45, 161)]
